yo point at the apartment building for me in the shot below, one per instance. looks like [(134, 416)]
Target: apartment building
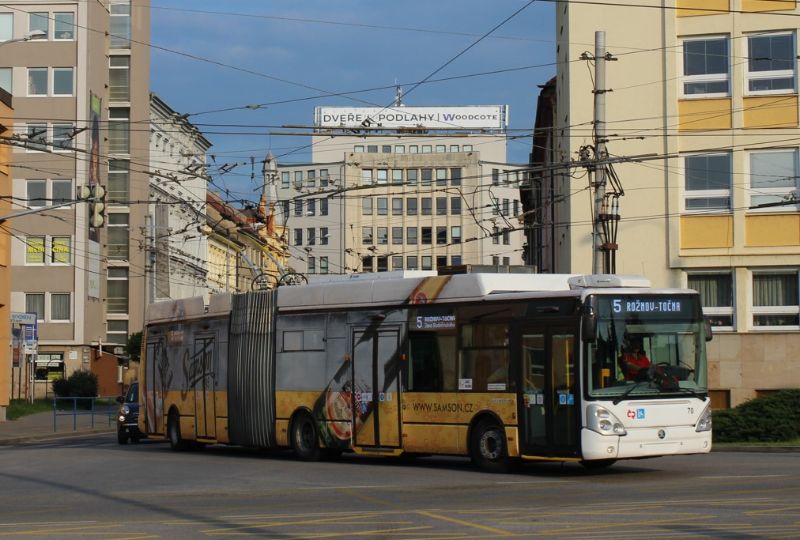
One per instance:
[(402, 188), (177, 250), (6, 360), (704, 94), (79, 74)]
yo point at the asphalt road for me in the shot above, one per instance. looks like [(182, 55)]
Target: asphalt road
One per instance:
[(90, 487)]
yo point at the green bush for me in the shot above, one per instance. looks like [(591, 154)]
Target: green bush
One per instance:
[(773, 418), (79, 384)]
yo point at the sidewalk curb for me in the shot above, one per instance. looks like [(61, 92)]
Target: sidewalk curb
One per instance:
[(9, 441), (757, 449)]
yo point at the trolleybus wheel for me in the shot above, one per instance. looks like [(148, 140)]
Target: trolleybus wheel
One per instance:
[(598, 464), (176, 442), (488, 447), (304, 438)]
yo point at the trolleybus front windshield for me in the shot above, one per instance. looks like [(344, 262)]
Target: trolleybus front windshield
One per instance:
[(647, 345)]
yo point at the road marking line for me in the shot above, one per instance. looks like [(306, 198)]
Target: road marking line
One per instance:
[(738, 477), (493, 530)]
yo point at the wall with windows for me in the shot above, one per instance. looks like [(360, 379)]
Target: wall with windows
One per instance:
[(709, 93), (6, 124)]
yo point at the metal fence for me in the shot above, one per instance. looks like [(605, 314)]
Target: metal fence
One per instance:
[(102, 408)]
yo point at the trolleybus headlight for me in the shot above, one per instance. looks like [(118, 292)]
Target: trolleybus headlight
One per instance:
[(601, 420), (125, 409), (704, 422)]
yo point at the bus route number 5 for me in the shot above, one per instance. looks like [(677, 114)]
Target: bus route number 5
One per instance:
[(617, 305)]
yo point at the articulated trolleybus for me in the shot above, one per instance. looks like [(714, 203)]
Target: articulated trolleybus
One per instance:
[(498, 367)]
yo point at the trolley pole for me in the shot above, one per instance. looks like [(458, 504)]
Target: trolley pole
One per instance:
[(601, 154)]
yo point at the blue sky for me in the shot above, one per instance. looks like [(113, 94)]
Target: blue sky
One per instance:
[(298, 49)]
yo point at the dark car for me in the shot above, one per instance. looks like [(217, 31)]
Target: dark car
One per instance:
[(128, 416)]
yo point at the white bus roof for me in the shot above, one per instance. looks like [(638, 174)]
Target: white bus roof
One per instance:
[(377, 289)]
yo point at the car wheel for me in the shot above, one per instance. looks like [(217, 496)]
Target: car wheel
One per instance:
[(488, 447), (176, 442), (304, 438), (122, 436)]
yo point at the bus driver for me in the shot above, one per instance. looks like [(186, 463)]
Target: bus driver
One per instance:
[(634, 361)]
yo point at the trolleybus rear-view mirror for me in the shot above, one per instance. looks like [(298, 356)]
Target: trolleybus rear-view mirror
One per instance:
[(588, 324), (709, 334)]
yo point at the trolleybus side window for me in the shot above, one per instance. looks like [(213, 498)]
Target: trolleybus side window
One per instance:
[(484, 363), (432, 362)]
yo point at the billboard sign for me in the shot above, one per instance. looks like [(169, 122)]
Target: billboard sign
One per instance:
[(493, 117)]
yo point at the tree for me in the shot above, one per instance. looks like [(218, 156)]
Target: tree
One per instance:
[(134, 346)]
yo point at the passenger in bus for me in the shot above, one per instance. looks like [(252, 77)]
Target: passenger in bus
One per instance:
[(634, 361)]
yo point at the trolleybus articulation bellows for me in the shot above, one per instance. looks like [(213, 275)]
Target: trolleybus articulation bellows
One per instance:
[(497, 367)]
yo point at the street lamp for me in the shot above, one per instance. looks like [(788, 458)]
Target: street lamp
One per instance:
[(32, 35)]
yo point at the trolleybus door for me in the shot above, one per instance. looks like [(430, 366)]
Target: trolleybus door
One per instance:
[(376, 396), (153, 389), (203, 375), (549, 388)]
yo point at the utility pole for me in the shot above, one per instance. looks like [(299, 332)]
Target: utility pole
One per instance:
[(601, 154)]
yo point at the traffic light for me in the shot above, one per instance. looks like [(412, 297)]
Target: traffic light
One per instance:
[(96, 195), (97, 206)]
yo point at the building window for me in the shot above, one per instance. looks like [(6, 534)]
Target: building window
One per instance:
[(117, 290), (34, 249), (285, 180), (413, 149), (62, 137), (37, 81), (495, 235), (427, 148), (708, 182), (455, 206), (298, 237), (323, 265), (441, 177), (441, 148), (34, 303), (298, 208), (366, 206), (441, 206), (6, 27), (399, 149), (62, 81), (397, 235), (312, 264), (771, 63), (454, 148), (495, 177), (716, 296), (466, 148), (426, 206), (411, 177), (411, 262), (383, 264), (358, 148), (516, 208), (397, 262), (411, 236), (775, 299), (427, 235), (706, 67), (117, 332), (62, 191), (386, 148), (397, 176), (298, 179), (6, 78), (118, 237), (506, 237), (411, 206), (311, 236), (119, 130), (383, 206), (36, 137), (60, 250), (59, 306), (39, 22), (441, 235), (311, 179), (323, 236), (455, 260), (323, 178), (427, 262), (64, 25), (366, 236), (119, 78), (397, 206), (441, 261), (323, 206), (774, 179), (118, 181), (427, 177), (36, 193), (383, 176), (455, 235), (120, 25), (366, 264), (455, 176), (311, 207), (506, 207), (366, 177), (372, 149), (383, 236)]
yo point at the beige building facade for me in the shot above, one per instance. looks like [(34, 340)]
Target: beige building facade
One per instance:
[(79, 74), (704, 95), (6, 360)]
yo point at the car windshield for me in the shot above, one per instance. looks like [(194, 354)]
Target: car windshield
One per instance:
[(133, 393), (647, 346)]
